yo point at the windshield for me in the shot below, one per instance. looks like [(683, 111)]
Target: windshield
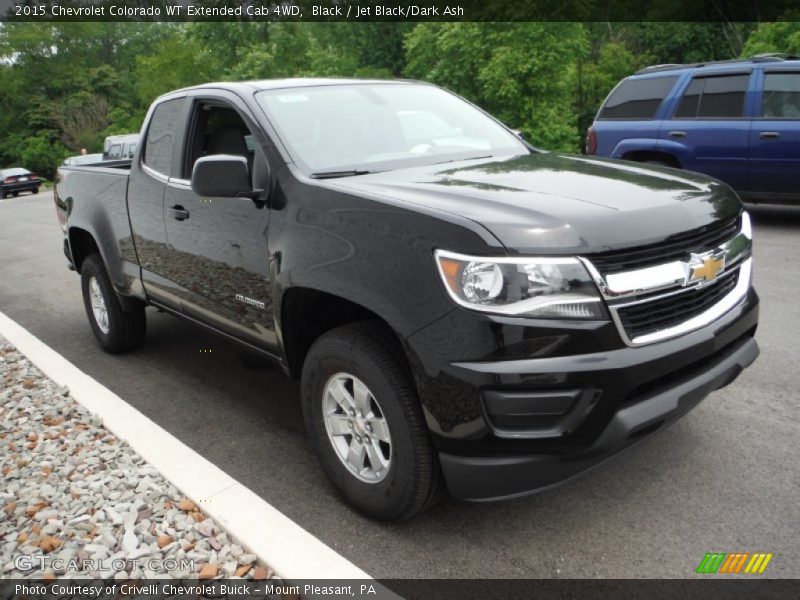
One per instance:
[(375, 127)]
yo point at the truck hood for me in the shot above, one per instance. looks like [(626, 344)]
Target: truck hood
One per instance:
[(552, 203)]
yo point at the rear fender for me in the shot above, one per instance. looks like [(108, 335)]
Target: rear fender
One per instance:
[(634, 145)]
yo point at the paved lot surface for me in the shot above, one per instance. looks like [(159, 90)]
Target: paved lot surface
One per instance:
[(726, 478)]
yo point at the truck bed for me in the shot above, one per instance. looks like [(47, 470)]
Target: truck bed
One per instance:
[(97, 194)]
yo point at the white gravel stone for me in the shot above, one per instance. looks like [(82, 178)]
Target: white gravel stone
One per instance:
[(95, 496)]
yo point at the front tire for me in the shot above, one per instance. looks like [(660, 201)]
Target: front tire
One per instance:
[(366, 424), (116, 330), (35, 191)]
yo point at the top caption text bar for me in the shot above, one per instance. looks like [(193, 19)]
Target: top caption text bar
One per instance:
[(394, 10)]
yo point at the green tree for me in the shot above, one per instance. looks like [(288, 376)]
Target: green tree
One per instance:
[(596, 77), (42, 153), (781, 37), (529, 86), (178, 60)]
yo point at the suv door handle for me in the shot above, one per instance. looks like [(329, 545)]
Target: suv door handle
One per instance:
[(769, 135), (677, 134), (178, 212)]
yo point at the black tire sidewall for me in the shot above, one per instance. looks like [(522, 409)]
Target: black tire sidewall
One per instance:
[(93, 267), (388, 498)]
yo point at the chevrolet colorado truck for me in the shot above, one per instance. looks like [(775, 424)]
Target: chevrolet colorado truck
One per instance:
[(462, 309)]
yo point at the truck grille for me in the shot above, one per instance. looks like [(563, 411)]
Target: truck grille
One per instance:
[(676, 247), (655, 315)]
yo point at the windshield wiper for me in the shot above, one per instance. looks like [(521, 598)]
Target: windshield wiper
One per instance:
[(460, 159), (335, 174)]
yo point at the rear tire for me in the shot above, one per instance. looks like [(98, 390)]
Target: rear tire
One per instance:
[(116, 330), (15, 194), (363, 360)]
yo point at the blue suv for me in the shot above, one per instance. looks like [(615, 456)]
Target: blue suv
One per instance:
[(738, 121)]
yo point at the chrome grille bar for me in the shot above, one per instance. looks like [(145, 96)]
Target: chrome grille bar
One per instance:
[(671, 279)]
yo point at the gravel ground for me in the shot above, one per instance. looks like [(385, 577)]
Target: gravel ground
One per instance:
[(82, 503)]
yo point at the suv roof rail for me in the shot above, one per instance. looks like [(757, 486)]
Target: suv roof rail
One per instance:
[(758, 58)]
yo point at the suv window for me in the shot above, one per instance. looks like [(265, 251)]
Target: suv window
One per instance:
[(781, 96), (714, 97), (637, 98), (160, 142)]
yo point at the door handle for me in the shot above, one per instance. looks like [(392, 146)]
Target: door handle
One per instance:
[(769, 135), (678, 134), (178, 212)]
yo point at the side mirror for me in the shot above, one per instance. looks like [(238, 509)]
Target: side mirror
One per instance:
[(519, 133), (221, 175)]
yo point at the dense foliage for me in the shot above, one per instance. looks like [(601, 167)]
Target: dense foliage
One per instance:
[(66, 86)]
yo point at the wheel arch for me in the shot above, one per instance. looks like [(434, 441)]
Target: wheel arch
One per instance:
[(307, 313), (81, 245), (650, 155)]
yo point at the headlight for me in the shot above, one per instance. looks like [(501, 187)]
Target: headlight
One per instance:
[(546, 287)]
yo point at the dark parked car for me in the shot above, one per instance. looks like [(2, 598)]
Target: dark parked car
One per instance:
[(16, 180), (458, 306), (736, 120)]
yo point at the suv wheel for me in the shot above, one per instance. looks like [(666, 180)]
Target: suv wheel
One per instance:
[(366, 424), (117, 330)]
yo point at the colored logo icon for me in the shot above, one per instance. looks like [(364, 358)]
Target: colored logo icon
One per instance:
[(735, 562)]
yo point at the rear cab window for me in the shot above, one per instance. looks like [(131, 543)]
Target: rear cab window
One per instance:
[(637, 99), (714, 97)]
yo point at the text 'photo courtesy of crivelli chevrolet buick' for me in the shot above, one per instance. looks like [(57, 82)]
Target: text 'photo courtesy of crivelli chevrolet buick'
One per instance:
[(465, 312)]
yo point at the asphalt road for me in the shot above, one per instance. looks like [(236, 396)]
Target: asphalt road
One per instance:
[(725, 478)]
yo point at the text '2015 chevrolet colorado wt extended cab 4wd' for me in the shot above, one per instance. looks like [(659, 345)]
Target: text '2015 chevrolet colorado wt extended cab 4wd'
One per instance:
[(461, 308)]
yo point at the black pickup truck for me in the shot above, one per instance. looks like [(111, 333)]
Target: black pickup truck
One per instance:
[(461, 308)]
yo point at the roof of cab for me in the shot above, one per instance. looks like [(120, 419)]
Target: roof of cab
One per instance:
[(276, 84)]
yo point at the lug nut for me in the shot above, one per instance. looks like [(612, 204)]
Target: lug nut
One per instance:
[(366, 440), (369, 427), (350, 424), (358, 439)]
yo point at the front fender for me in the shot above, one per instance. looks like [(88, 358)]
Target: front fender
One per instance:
[(370, 251)]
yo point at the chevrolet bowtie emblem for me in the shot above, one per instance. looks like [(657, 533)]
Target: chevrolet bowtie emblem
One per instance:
[(705, 267)]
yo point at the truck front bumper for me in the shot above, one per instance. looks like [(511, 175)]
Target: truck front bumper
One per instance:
[(614, 399), (495, 478)]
